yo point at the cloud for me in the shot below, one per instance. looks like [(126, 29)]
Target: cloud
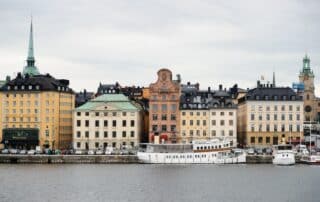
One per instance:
[(209, 42)]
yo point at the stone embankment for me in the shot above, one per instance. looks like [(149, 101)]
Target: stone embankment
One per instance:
[(60, 159)]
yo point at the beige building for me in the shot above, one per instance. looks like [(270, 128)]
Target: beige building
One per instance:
[(110, 120), (270, 115), (36, 109)]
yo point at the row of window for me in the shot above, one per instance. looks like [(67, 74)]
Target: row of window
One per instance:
[(104, 145), (268, 117), (163, 97), (275, 128), (275, 107), (105, 113), (21, 111), (32, 87), (205, 113), (275, 140), (155, 128), (105, 134), (204, 133), (155, 117), (164, 107), (98, 123)]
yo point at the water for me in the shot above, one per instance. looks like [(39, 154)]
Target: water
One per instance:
[(83, 182)]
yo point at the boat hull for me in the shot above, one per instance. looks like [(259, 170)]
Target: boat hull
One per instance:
[(284, 158), (189, 158)]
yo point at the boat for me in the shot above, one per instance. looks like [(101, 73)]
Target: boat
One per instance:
[(313, 159), (283, 155), (213, 151)]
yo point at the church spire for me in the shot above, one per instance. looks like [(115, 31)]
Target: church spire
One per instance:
[(306, 69), (274, 80), (30, 69)]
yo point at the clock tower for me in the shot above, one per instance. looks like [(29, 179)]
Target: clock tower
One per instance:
[(310, 101)]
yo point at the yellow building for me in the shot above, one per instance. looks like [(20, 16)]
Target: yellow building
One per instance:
[(36, 109)]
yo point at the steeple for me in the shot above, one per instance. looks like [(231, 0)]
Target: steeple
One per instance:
[(306, 69), (30, 69), (274, 80)]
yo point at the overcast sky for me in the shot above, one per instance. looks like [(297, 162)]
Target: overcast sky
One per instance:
[(207, 41)]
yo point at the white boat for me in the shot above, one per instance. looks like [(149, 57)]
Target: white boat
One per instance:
[(198, 152), (283, 155), (313, 159)]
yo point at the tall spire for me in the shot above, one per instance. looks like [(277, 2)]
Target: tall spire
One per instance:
[(306, 69), (30, 69), (274, 80)]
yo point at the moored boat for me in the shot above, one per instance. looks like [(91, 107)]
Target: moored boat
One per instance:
[(198, 152), (313, 159), (283, 155)]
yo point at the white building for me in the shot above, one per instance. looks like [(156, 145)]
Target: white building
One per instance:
[(108, 120)]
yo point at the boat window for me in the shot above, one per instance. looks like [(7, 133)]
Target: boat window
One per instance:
[(205, 147)]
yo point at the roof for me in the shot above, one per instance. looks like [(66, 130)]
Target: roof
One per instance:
[(113, 101), (272, 93), (37, 83)]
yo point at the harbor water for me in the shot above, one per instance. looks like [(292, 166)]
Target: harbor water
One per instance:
[(138, 182)]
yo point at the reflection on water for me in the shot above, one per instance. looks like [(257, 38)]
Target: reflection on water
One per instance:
[(82, 182)]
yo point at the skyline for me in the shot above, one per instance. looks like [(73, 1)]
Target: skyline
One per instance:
[(107, 46)]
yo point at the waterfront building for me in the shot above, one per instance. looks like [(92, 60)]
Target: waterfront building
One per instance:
[(164, 114), (269, 115), (207, 114), (36, 109), (108, 120), (311, 102)]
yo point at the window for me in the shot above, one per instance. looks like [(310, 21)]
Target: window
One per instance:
[(163, 117), (124, 134), (173, 128), (154, 117), (97, 144), (78, 113), (87, 123), (183, 122), (183, 113), (298, 108), (78, 134), (105, 123), (132, 133), (282, 127), (87, 134), (164, 107), (268, 128), (275, 117), (268, 117), (191, 122), (260, 117), (114, 134), (198, 122), (154, 128), (97, 134), (298, 128), (198, 113), (283, 108), (114, 113), (87, 113), (164, 128), (230, 132), (290, 117), (268, 140), (78, 144), (105, 134), (222, 132), (221, 122), (260, 139), (78, 123), (298, 117), (173, 107), (252, 140), (114, 123), (132, 123), (173, 117), (252, 117), (222, 113), (97, 123), (283, 117), (213, 122), (275, 108), (213, 113), (191, 113), (204, 122), (124, 123), (230, 122), (155, 107), (275, 128), (290, 107), (230, 113), (213, 133), (252, 127), (124, 113)]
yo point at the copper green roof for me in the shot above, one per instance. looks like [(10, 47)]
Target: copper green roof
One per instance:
[(306, 69), (113, 102)]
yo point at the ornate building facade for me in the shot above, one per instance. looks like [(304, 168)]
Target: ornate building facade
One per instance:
[(164, 114)]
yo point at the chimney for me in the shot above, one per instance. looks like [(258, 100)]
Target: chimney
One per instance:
[(188, 83), (84, 92), (179, 78), (220, 87), (209, 89), (197, 86), (258, 84)]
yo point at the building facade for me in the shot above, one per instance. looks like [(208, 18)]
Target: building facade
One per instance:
[(36, 109), (311, 102), (164, 114), (110, 120), (269, 116), (207, 114)]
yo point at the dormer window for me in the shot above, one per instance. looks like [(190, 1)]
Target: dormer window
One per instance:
[(58, 87), (9, 87), (267, 97), (284, 97), (293, 97), (275, 97), (257, 97), (16, 87), (37, 87), (22, 87)]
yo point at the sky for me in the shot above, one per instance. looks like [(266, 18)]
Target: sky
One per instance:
[(209, 41)]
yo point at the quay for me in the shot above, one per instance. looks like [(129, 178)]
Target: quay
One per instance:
[(101, 159)]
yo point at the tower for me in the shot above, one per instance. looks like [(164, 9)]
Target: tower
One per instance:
[(30, 69), (307, 78)]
